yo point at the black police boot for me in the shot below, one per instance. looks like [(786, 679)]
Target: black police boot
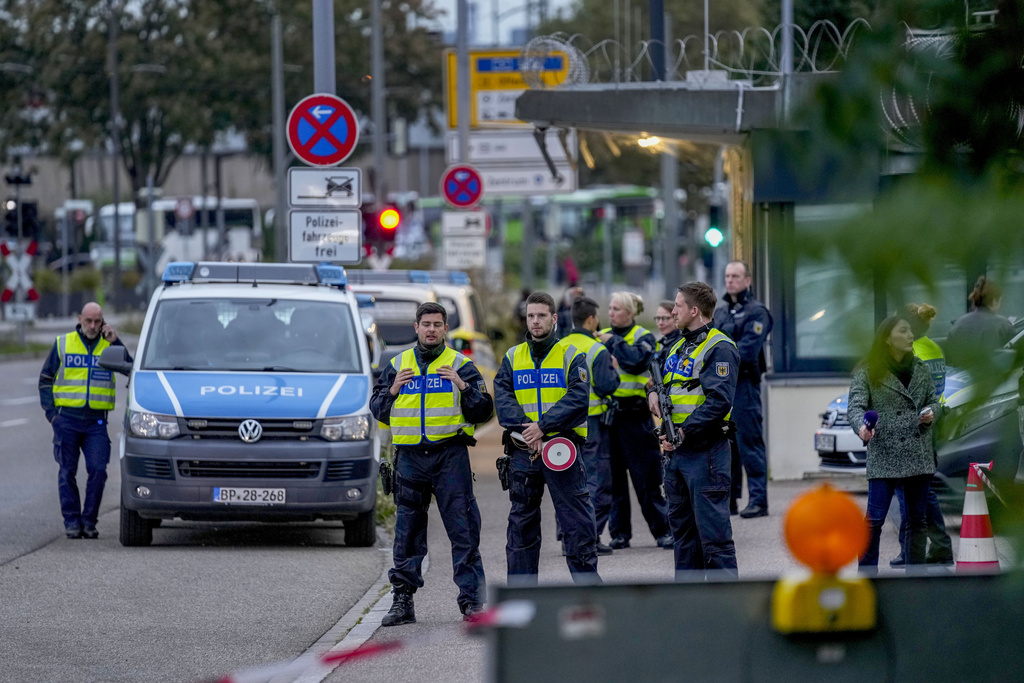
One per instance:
[(89, 531), (667, 541), (898, 561), (752, 511), (603, 549), (402, 610), (618, 543), (471, 610)]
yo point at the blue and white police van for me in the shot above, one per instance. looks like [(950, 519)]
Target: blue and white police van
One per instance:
[(249, 400)]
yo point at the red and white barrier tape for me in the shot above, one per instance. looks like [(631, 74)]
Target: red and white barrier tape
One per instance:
[(980, 468), (510, 614)]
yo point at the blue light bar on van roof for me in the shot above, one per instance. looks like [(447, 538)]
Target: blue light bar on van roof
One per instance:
[(330, 274), (178, 271), (365, 300), (421, 277), (458, 277)]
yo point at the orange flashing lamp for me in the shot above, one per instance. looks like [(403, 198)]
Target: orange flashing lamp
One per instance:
[(825, 530)]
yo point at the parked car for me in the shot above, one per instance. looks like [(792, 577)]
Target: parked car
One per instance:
[(394, 311), (466, 327), (967, 434)]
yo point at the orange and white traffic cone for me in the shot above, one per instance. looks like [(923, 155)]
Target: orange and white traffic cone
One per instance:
[(977, 545)]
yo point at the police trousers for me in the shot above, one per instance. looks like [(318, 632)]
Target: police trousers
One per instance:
[(573, 511), (636, 455), (71, 435), (697, 484), (749, 451), (445, 473), (597, 461)]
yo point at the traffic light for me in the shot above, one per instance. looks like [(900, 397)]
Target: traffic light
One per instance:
[(29, 219), (380, 228), (11, 218), (389, 219), (713, 235)]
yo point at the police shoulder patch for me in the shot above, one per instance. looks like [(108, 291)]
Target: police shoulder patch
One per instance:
[(583, 374), (481, 386), (758, 328), (722, 369)]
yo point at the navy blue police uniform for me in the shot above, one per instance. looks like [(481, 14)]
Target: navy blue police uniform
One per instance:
[(635, 453), (697, 475), (78, 429), (440, 468), (604, 380), (665, 345), (747, 321), (528, 475)]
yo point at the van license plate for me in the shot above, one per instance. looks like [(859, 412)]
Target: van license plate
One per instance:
[(247, 496), (825, 443)]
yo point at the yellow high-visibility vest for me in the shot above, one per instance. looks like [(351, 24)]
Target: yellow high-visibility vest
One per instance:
[(538, 387), (680, 373), (81, 381), (631, 385), (591, 348), (931, 354), (428, 408)]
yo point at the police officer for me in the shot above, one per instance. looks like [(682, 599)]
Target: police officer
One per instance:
[(543, 391), (634, 448), (747, 322), (604, 380), (431, 396), (76, 395), (670, 334), (700, 373)]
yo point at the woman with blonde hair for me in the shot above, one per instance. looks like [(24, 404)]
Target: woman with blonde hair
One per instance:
[(634, 447)]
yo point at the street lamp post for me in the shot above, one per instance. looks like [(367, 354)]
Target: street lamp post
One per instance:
[(115, 137)]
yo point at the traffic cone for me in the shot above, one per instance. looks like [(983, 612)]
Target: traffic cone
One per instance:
[(977, 553)]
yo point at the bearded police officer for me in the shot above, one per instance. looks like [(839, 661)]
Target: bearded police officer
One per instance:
[(700, 373), (541, 394), (604, 380), (748, 322), (76, 394), (431, 396)]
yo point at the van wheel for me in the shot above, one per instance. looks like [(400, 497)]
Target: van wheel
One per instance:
[(361, 532), (135, 531)]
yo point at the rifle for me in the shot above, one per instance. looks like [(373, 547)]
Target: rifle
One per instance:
[(667, 428)]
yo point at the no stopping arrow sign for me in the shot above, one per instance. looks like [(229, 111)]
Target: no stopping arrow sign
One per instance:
[(322, 130), (462, 185)]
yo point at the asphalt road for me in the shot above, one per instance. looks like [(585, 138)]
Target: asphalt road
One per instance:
[(202, 601)]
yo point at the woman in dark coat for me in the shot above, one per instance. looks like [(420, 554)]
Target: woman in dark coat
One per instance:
[(899, 387)]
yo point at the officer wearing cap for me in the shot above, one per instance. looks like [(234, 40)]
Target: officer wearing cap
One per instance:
[(700, 373), (431, 396), (76, 394), (542, 391), (748, 322), (604, 380)]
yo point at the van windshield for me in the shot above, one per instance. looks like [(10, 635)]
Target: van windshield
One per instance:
[(395, 318), (253, 335)]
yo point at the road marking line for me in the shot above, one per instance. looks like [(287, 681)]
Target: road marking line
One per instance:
[(21, 400), (14, 423)]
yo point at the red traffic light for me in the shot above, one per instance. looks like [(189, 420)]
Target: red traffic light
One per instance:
[(389, 219)]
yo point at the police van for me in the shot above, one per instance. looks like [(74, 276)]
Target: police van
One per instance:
[(249, 400)]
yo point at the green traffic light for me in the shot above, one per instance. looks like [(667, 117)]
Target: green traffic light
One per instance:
[(714, 237)]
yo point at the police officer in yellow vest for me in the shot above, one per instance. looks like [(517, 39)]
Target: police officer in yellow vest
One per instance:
[(541, 392), (635, 454), (76, 394), (604, 380), (432, 396), (700, 372)]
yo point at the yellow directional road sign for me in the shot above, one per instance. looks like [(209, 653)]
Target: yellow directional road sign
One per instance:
[(494, 84)]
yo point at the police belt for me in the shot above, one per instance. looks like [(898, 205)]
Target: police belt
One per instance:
[(432, 447), (84, 413), (510, 445)]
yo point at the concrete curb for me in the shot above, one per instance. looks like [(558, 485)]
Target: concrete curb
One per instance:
[(358, 624)]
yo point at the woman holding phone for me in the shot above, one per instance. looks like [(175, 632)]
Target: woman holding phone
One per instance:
[(897, 386)]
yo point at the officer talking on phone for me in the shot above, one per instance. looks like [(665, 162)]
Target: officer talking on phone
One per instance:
[(76, 394)]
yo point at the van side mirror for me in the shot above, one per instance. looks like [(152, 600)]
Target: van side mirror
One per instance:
[(115, 358)]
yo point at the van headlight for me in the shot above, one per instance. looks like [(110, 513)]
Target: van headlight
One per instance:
[(152, 425), (351, 428)]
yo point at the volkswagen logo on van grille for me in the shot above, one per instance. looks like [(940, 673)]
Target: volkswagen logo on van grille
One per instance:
[(250, 431)]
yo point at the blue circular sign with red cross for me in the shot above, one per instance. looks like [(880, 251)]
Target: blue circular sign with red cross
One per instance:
[(322, 130), (462, 185)]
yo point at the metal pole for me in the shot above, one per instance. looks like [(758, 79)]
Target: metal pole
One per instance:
[(786, 57), (657, 18), (707, 30), (608, 223), (222, 230), (19, 294), (65, 237), (495, 33), (551, 234), (669, 184), (462, 60), (526, 264), (115, 135), (204, 216), (380, 130), (324, 79), (151, 235), (281, 227)]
